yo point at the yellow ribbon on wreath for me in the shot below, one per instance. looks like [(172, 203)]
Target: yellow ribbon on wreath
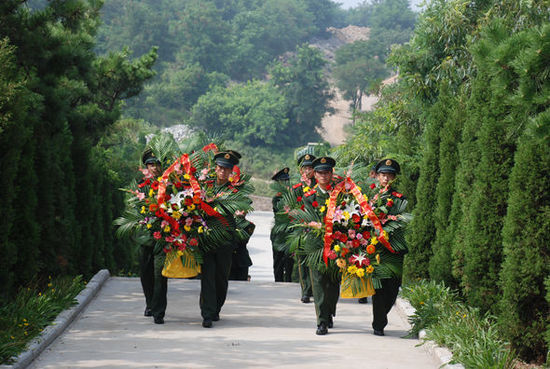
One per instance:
[(349, 289), (174, 267)]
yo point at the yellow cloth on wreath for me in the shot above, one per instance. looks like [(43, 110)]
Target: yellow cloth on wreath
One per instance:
[(363, 289), (175, 268)]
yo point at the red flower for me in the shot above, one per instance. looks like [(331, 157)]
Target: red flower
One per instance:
[(178, 184), (372, 186), (355, 243), (343, 238), (155, 185), (357, 226), (302, 207), (390, 203), (196, 200), (337, 235), (396, 194), (157, 235), (153, 207), (371, 249), (381, 216), (356, 218), (343, 203), (193, 170), (314, 204), (188, 201), (366, 235), (193, 242), (299, 199), (344, 251)]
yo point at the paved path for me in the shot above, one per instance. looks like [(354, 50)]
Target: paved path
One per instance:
[(263, 325)]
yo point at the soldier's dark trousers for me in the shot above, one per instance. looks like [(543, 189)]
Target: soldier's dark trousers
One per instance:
[(214, 276), (325, 295), (283, 265), (382, 302), (305, 280), (154, 285)]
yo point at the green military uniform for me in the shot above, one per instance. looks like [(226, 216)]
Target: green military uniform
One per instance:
[(283, 263), (326, 289), (384, 298), (240, 261), (217, 264), (151, 263), (303, 269)]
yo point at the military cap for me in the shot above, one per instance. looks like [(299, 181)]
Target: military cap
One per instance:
[(306, 160), (323, 163), (227, 159), (281, 175), (148, 157), (388, 166)]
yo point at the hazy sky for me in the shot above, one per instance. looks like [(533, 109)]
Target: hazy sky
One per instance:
[(346, 4)]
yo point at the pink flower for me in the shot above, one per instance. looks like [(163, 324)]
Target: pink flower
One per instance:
[(139, 195), (169, 239), (315, 225), (351, 233), (157, 235), (332, 255)]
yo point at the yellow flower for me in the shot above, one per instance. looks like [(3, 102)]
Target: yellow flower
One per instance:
[(327, 201), (159, 179), (359, 188), (187, 228), (25, 324), (26, 334), (370, 269), (12, 337), (322, 209), (352, 269), (176, 215), (49, 285), (378, 258), (201, 229), (167, 229), (374, 240), (306, 189), (142, 210), (24, 319), (341, 263), (360, 272), (385, 234), (180, 253), (346, 215), (186, 176), (191, 207), (366, 198), (151, 192), (149, 226), (337, 248)]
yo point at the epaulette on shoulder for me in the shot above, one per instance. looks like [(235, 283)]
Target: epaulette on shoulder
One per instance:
[(299, 184), (310, 192)]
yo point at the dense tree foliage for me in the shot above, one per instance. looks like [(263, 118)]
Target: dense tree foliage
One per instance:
[(475, 75), (58, 199)]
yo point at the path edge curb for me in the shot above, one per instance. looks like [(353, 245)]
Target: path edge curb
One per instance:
[(442, 354), (66, 317)]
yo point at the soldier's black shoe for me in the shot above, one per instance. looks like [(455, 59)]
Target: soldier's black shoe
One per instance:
[(330, 323), (378, 332), (159, 320), (306, 299), (147, 312), (322, 329), (363, 300), (216, 318), (207, 323)]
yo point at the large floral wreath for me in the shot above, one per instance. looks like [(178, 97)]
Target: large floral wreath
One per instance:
[(356, 233), (183, 214)]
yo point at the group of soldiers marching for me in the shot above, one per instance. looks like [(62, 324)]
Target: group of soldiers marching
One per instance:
[(317, 180)]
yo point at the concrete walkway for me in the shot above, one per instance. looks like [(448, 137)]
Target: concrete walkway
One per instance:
[(263, 325)]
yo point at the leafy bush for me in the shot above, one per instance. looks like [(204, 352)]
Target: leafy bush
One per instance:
[(26, 316), (473, 338)]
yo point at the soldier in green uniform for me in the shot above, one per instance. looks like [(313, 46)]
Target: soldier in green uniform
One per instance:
[(283, 263), (384, 298), (307, 181), (326, 289), (151, 260), (217, 264), (240, 261)]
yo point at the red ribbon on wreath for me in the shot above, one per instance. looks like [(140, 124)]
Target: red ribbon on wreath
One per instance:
[(185, 163), (365, 209)]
